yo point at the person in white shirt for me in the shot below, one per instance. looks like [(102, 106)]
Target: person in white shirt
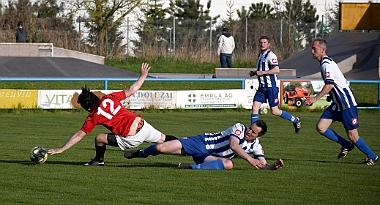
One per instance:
[(226, 46)]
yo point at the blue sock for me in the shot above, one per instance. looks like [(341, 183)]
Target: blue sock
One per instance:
[(288, 116), (363, 147), (254, 118), (214, 164), (151, 150), (332, 135)]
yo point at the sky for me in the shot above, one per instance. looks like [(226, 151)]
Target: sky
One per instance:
[(220, 6)]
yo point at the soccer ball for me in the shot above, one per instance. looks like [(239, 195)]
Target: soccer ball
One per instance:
[(38, 155), (263, 111)]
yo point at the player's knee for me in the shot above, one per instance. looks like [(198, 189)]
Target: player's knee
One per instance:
[(275, 111), (101, 139), (320, 129), (161, 148), (228, 164)]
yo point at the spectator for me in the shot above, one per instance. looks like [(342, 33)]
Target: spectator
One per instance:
[(226, 46), (21, 33)]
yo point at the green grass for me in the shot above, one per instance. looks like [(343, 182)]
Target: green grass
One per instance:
[(312, 173), (161, 64)]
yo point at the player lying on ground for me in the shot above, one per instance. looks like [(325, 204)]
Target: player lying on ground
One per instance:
[(128, 129), (216, 150)]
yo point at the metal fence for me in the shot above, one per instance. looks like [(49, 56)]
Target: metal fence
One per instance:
[(198, 39)]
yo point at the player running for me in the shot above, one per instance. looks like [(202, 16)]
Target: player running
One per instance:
[(267, 70), (343, 107), (128, 129), (216, 150)]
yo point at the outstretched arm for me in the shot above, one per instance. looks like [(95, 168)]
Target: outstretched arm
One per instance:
[(234, 145), (78, 136), (326, 89), (144, 70)]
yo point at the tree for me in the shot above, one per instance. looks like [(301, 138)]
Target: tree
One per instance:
[(152, 28), (192, 24), (261, 11), (300, 17), (105, 15)]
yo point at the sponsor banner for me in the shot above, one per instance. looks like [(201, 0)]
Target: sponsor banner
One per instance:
[(294, 92), (67, 99), (11, 98), (200, 99), (56, 99), (251, 86), (157, 99)]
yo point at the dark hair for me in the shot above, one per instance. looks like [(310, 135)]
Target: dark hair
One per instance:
[(263, 125), (225, 30), (264, 37), (20, 23), (87, 99)]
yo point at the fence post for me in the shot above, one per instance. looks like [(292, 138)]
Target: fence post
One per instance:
[(173, 35), (210, 39)]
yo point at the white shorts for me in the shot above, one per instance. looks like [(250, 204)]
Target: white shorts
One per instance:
[(147, 134)]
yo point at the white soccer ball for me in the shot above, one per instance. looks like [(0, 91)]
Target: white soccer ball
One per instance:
[(263, 111), (38, 155)]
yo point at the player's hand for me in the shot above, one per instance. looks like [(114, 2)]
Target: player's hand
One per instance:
[(55, 151), (258, 164), (309, 101), (144, 70), (278, 163), (252, 73)]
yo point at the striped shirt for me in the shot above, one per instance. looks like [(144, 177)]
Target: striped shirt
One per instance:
[(265, 62), (218, 144), (341, 95)]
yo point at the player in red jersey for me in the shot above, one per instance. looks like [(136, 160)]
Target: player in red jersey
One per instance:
[(128, 129)]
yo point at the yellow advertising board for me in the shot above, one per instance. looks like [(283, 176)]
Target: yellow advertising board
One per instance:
[(359, 16), (12, 98)]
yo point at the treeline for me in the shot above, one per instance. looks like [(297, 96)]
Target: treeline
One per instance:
[(183, 29)]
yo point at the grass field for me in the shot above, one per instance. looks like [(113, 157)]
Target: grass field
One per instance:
[(312, 173)]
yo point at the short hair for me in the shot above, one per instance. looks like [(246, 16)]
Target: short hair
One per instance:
[(20, 23), (225, 30), (264, 37), (322, 42), (263, 125), (88, 99)]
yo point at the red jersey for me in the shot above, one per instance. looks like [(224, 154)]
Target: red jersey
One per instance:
[(111, 114)]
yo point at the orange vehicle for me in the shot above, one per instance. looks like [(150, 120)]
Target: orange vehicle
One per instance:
[(296, 95)]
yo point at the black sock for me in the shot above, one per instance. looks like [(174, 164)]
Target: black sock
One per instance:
[(170, 138), (100, 150)]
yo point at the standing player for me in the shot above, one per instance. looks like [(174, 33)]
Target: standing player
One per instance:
[(267, 70), (343, 107), (128, 129), (215, 150)]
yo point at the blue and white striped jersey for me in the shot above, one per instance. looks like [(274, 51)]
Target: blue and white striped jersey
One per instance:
[(341, 95), (267, 61), (218, 144)]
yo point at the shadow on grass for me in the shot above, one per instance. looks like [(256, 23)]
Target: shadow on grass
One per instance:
[(323, 161), (109, 164), (29, 163)]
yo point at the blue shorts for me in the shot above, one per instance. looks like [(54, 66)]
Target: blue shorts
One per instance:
[(348, 117), (195, 147), (270, 94)]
